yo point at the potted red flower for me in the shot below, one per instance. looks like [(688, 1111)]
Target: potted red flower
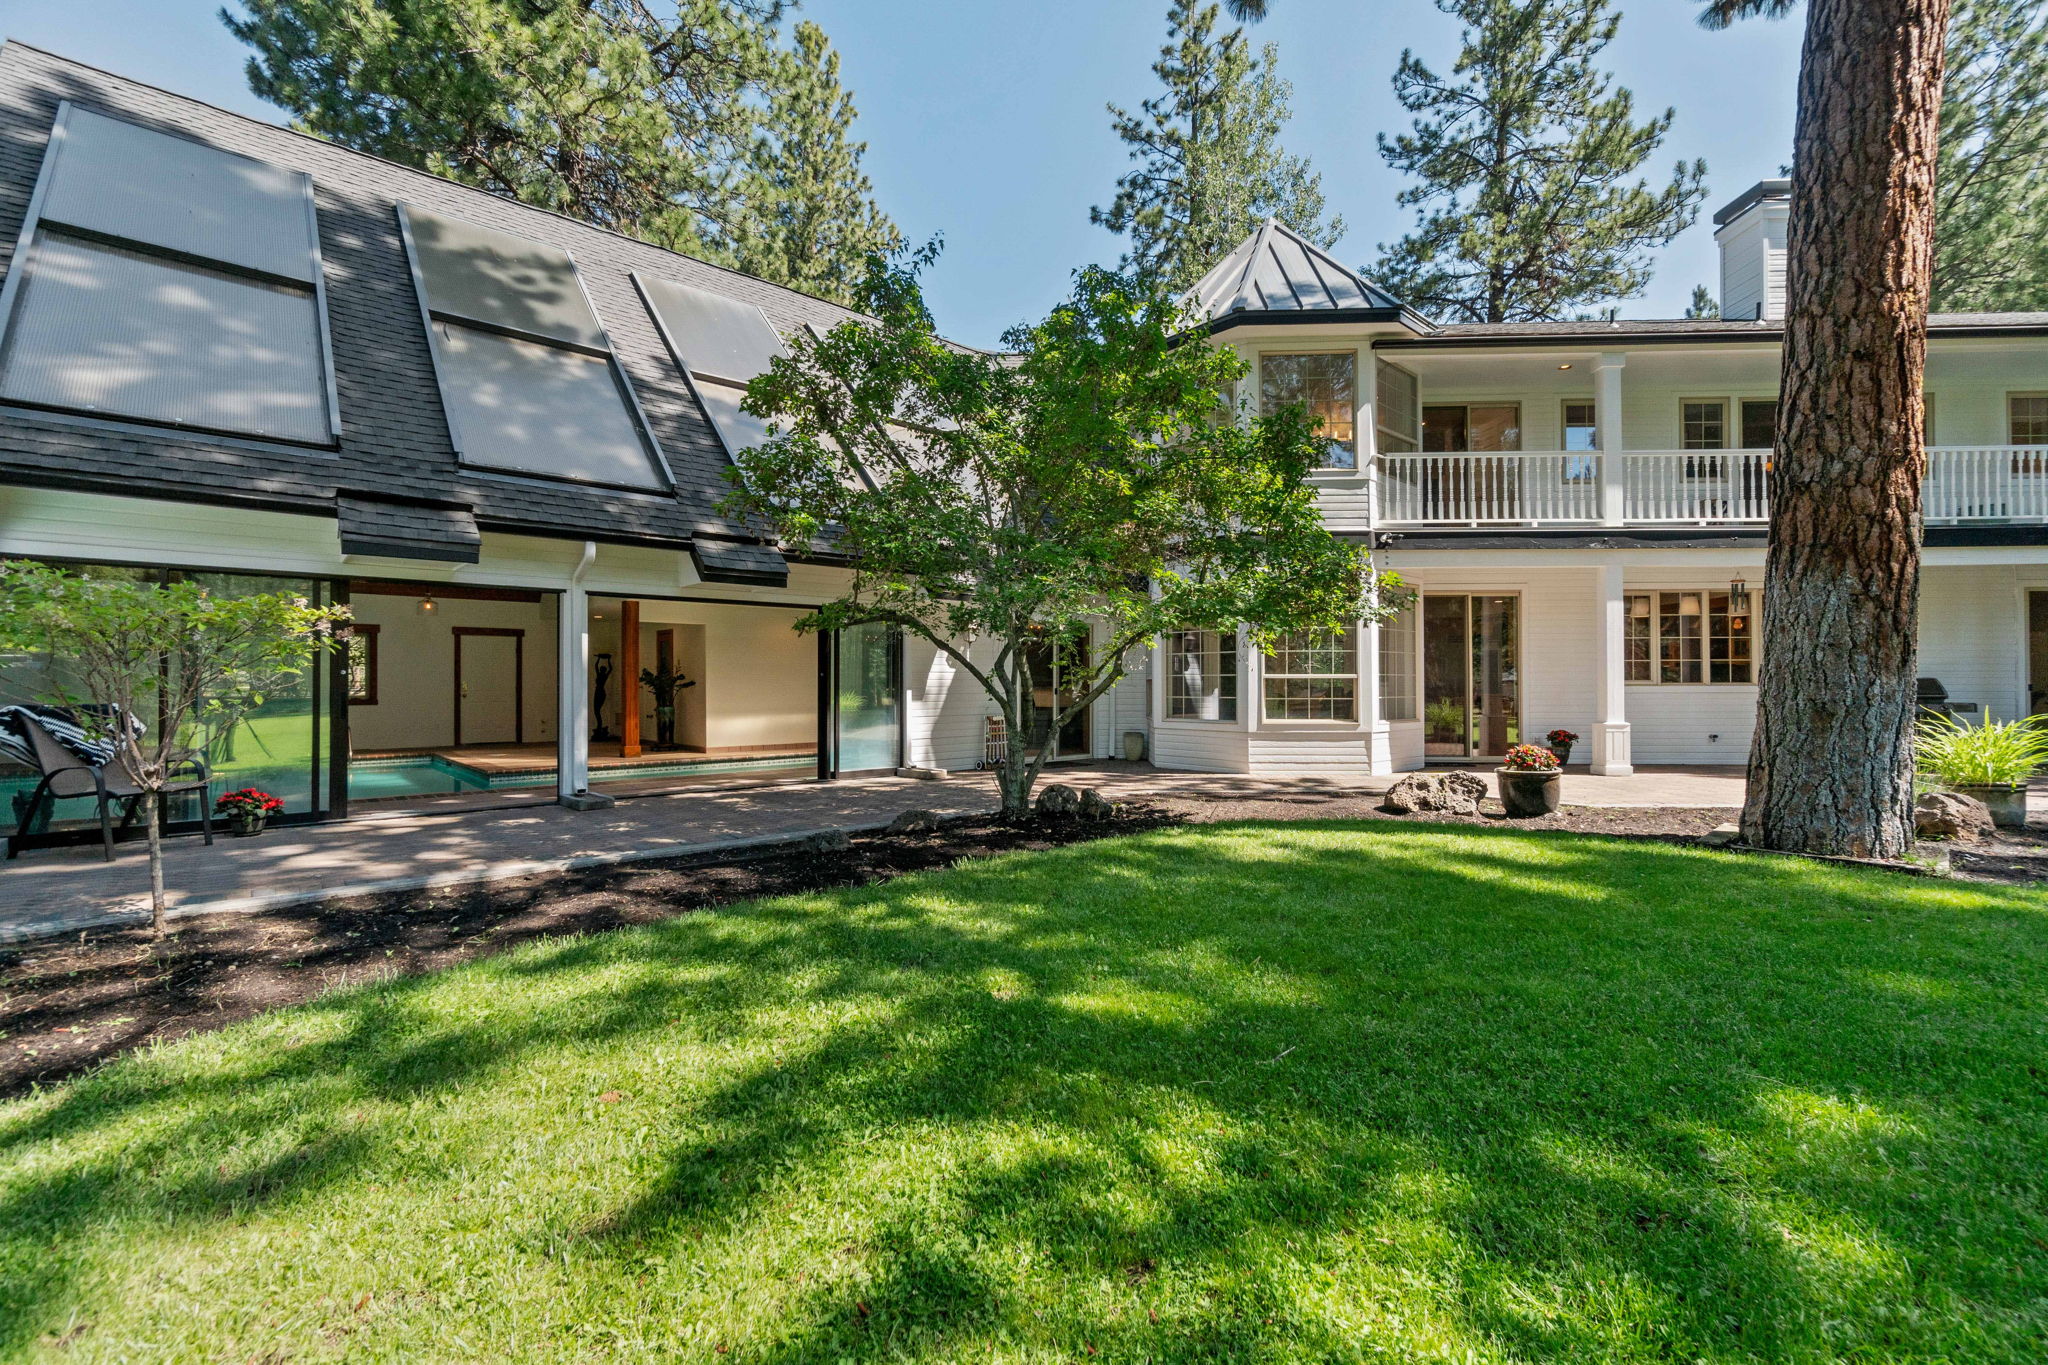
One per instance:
[(248, 809), (1560, 743), (1529, 781)]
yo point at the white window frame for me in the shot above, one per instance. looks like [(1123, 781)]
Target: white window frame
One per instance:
[(1227, 645), (1268, 676), (1408, 652), (1654, 660), (1258, 380), (1412, 439)]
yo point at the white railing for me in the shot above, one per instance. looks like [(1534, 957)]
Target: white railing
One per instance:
[(1524, 488), (1986, 483), (1679, 487), (1695, 486)]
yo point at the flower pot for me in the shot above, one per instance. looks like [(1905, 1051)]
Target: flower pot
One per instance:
[(1528, 794), (2008, 804), (1563, 752), (248, 826)]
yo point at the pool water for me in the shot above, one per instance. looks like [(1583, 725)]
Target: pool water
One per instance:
[(374, 779)]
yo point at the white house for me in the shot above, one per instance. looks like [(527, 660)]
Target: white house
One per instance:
[(231, 351)]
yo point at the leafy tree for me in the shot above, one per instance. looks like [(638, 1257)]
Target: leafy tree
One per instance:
[(187, 662), (1991, 186), (1704, 304), (812, 220), (1210, 166), (1831, 766), (643, 117), (992, 503), (1529, 204)]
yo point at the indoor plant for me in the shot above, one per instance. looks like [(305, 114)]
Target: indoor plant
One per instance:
[(1990, 760), (248, 808), (1529, 781), (1560, 743)]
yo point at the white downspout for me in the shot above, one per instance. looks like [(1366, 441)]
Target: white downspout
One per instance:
[(572, 683)]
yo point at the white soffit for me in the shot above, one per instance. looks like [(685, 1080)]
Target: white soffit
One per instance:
[(482, 275), (713, 337), (155, 189)]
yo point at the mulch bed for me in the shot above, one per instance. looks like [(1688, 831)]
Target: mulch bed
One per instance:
[(68, 1004)]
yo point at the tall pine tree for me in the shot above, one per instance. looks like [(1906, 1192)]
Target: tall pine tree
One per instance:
[(1210, 166), (1530, 205), (813, 221), (637, 115), (1991, 185)]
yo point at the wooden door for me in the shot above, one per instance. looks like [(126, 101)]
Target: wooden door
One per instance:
[(490, 685)]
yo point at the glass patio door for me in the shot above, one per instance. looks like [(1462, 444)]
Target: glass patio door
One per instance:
[(1053, 662), (867, 682), (1471, 681)]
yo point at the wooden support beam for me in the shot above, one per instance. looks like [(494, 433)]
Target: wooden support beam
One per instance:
[(629, 673)]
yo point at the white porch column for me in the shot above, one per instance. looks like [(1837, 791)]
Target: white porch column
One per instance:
[(1610, 727), (572, 683), (1607, 423)]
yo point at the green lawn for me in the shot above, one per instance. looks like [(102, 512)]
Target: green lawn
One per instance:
[(1267, 1092)]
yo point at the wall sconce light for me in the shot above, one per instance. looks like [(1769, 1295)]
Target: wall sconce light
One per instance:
[(1566, 366), (428, 606)]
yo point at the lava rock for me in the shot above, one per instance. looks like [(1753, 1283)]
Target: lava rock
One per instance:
[(1951, 815), (1439, 793), (1059, 802), (825, 841)]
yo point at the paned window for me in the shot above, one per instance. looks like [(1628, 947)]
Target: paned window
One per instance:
[(1581, 427), (1313, 676), (1327, 386), (1398, 412), (1689, 637), (1397, 665), (1201, 675)]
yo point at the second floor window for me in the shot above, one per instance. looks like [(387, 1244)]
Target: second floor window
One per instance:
[(1313, 676), (1759, 423), (2026, 419), (1326, 385), (1703, 424), (1581, 428)]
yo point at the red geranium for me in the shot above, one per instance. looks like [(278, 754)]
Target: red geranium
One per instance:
[(1561, 737), (247, 801)]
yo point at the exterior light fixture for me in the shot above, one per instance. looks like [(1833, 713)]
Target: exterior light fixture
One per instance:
[(428, 606), (1566, 366)]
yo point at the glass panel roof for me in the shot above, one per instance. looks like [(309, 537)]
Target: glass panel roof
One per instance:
[(711, 334), (164, 191), (98, 329), (739, 430), (493, 277), (538, 409)]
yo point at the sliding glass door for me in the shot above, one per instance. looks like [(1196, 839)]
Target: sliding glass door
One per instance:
[(866, 683), (1471, 681)]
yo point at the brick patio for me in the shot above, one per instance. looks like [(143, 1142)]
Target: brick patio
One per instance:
[(64, 890)]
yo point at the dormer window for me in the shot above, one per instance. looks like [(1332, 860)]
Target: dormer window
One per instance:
[(162, 280), (527, 373)]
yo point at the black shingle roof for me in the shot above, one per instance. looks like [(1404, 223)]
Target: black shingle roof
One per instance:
[(394, 442)]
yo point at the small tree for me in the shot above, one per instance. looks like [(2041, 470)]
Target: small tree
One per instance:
[(990, 504), (184, 661)]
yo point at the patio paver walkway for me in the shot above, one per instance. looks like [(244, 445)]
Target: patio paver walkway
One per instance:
[(65, 890)]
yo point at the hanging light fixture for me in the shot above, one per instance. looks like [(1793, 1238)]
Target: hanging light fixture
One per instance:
[(428, 606)]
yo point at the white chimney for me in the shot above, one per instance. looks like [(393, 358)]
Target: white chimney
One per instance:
[(1751, 233)]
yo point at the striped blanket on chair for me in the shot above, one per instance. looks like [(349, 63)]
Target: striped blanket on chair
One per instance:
[(83, 730)]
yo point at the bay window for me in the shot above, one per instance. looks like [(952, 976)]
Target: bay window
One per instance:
[(1201, 675), (1326, 385), (1313, 675)]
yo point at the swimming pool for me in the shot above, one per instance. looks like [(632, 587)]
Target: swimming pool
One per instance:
[(376, 779)]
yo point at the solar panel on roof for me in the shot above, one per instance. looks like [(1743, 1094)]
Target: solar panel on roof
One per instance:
[(144, 186), (483, 275), (712, 335)]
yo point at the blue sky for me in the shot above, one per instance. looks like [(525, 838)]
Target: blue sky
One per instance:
[(985, 119)]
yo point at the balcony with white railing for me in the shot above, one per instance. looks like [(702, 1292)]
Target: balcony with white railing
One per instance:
[(1965, 485)]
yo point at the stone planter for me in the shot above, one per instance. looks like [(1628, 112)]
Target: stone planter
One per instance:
[(1562, 751), (1528, 794), (2008, 804)]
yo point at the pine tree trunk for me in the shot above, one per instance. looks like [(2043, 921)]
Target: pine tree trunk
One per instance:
[(1831, 768), (151, 803)]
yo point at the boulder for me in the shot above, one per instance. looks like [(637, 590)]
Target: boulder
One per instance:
[(825, 841), (1059, 802), (1452, 793), (1951, 815), (1722, 835), (1094, 805), (915, 822)]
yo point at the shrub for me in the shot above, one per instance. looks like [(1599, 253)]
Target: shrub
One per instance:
[(1530, 758), (1988, 754)]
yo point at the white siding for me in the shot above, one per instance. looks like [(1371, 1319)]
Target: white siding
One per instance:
[(1203, 746), (1338, 754), (945, 718), (1973, 634)]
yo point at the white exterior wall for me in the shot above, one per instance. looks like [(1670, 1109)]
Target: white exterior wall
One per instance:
[(416, 670)]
